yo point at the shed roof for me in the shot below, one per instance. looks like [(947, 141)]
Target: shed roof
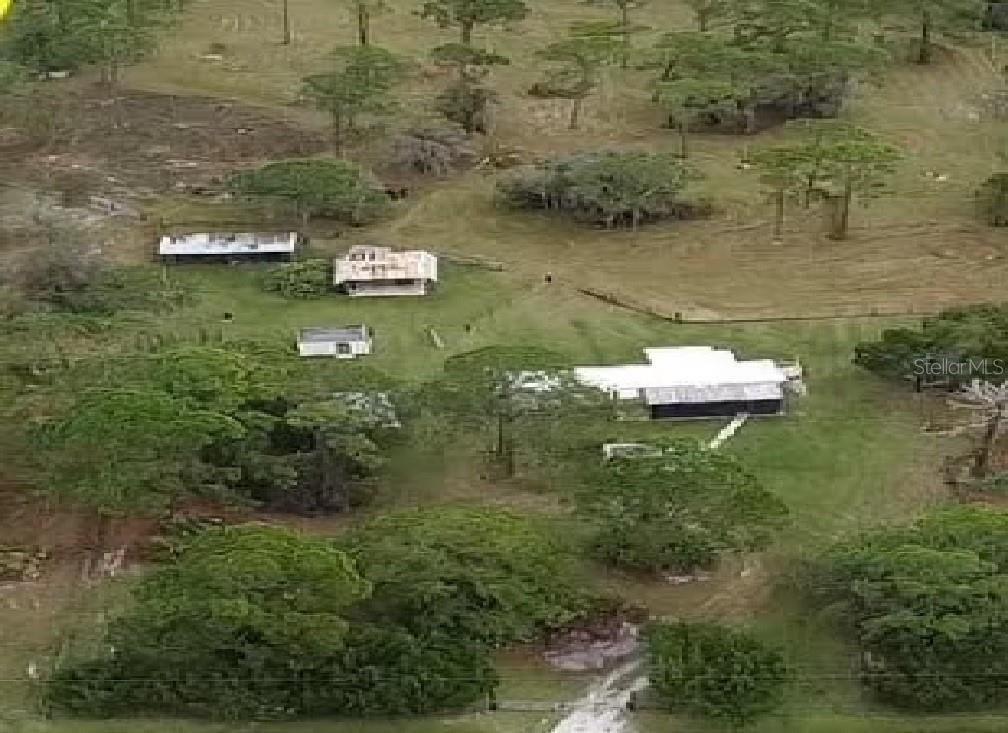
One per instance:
[(229, 243), (337, 334)]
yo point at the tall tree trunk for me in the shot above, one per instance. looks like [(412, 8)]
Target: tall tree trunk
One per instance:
[(625, 22), (363, 23), (983, 455), (683, 134), (925, 50), (467, 29), (848, 197), (778, 231), (575, 112), (703, 19), (833, 214), (286, 24)]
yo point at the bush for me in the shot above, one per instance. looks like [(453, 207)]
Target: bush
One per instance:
[(71, 276), (305, 279), (992, 200), (715, 672), (434, 151), (607, 188), (250, 622), (490, 576)]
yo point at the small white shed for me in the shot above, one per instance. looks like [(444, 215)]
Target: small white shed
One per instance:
[(343, 342)]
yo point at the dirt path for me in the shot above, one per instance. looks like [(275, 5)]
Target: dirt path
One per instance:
[(603, 708)]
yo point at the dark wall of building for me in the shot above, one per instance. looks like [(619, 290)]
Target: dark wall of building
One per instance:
[(226, 259), (716, 409)]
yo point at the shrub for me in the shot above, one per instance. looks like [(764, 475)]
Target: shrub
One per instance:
[(609, 188), (715, 672), (304, 279), (433, 151)]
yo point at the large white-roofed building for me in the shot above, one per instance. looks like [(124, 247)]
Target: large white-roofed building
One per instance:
[(698, 381)]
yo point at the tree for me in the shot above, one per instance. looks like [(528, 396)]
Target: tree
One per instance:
[(684, 98), (115, 32), (680, 511), (330, 188), (480, 575), (715, 672), (928, 604), (497, 390), (119, 449), (359, 82), (708, 11), (467, 14), (971, 337), (939, 16), (256, 621), (608, 188), (363, 11), (786, 170), (581, 57), (621, 28), (466, 100), (838, 159)]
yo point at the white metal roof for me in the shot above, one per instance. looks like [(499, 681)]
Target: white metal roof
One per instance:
[(337, 335), (689, 370), (229, 243), (370, 264)]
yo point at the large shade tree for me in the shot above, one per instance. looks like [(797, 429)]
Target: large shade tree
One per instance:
[(680, 511), (255, 621), (466, 15), (928, 605)]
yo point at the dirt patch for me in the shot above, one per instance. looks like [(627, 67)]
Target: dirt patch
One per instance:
[(149, 141)]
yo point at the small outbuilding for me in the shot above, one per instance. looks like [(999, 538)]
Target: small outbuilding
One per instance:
[(229, 246), (374, 271), (344, 342)]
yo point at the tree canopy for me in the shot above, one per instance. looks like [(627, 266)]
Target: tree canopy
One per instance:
[(255, 621), (467, 14), (334, 189), (358, 81), (489, 576), (963, 336), (680, 511), (715, 672), (928, 605), (608, 188)]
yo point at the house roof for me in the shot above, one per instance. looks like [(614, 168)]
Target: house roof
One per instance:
[(338, 334), (688, 374), (368, 264), (229, 243)]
